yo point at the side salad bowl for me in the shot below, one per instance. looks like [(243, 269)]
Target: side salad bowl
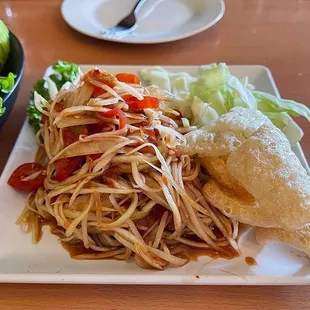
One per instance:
[(14, 64)]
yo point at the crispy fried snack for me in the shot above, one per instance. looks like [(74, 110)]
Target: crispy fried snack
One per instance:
[(224, 135), (271, 173), (299, 239), (259, 180), (217, 168)]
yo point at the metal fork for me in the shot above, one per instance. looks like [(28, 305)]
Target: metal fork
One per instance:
[(126, 25)]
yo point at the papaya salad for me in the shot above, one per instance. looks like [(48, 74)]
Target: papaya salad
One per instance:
[(108, 175)]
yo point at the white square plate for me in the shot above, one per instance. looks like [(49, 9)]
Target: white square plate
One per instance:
[(48, 262)]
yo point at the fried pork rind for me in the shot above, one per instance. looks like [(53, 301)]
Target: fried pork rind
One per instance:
[(256, 177), (224, 135), (207, 143), (242, 208), (299, 239), (217, 168), (242, 122), (268, 169), (255, 161)]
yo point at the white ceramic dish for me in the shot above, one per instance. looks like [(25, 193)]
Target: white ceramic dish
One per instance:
[(158, 20), (48, 262)]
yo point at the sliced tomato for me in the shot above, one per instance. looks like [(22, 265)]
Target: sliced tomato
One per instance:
[(115, 113), (69, 137), (94, 128), (44, 118), (65, 167), (84, 132), (95, 156), (146, 103), (128, 78), (26, 170), (58, 107), (98, 91)]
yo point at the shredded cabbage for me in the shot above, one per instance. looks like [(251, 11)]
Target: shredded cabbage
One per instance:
[(213, 91)]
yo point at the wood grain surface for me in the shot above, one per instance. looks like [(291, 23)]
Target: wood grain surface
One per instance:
[(274, 33)]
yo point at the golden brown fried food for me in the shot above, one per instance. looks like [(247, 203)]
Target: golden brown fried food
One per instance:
[(225, 134), (261, 162), (299, 239), (240, 121), (207, 143), (217, 168), (243, 208), (269, 170)]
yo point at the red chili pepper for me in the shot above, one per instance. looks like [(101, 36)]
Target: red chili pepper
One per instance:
[(65, 167), (23, 171), (113, 113), (146, 103), (128, 78)]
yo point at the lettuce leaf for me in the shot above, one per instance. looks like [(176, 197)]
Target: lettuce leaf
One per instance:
[(269, 103), (288, 126), (7, 82), (213, 91), (6, 85), (202, 112), (2, 108), (63, 72), (216, 82)]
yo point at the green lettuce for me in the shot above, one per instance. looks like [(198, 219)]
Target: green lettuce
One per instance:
[(63, 72), (284, 122), (4, 44), (6, 85), (269, 103), (214, 91), (2, 108)]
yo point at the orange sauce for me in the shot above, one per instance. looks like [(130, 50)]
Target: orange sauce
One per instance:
[(77, 248), (73, 248), (250, 261), (193, 254)]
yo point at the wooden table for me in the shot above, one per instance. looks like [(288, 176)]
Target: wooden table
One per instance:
[(274, 33)]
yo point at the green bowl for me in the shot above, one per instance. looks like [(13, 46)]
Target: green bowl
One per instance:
[(14, 64)]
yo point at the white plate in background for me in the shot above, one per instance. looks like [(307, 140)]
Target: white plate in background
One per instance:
[(48, 262), (158, 20)]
